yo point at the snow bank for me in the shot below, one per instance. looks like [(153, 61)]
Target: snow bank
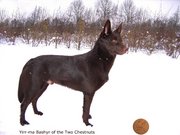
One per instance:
[(139, 86)]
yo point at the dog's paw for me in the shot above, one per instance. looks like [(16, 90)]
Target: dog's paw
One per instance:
[(39, 113), (89, 124), (24, 122)]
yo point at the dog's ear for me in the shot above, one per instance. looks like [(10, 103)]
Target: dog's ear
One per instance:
[(119, 29), (107, 29)]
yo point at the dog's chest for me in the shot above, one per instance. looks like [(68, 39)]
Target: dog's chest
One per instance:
[(97, 78), (100, 81)]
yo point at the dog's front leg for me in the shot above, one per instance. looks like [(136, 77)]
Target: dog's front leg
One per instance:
[(86, 108)]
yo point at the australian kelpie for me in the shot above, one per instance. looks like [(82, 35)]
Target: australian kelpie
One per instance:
[(86, 72)]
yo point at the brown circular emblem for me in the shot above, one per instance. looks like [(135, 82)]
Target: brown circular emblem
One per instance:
[(140, 126)]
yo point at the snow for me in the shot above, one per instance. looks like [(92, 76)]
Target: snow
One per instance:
[(139, 86)]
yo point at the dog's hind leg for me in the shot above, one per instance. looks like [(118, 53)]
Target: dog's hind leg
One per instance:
[(34, 101), (86, 108), (24, 106)]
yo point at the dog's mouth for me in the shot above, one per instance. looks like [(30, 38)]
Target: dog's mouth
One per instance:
[(123, 50)]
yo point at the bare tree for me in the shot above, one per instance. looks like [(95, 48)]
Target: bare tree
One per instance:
[(89, 16), (106, 9), (176, 16), (3, 22), (77, 9), (128, 11), (141, 16), (80, 32), (39, 14), (3, 15)]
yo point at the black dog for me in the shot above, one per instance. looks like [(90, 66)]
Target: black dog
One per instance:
[(86, 72)]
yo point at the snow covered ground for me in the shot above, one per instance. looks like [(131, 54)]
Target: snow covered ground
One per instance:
[(140, 86)]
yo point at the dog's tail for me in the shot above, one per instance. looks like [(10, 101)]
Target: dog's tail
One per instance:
[(25, 80)]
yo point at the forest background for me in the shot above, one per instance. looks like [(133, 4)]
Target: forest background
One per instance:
[(79, 26)]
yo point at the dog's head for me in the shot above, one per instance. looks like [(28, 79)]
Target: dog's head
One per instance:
[(112, 40)]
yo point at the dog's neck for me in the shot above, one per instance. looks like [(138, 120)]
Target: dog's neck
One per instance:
[(103, 53), (100, 55)]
